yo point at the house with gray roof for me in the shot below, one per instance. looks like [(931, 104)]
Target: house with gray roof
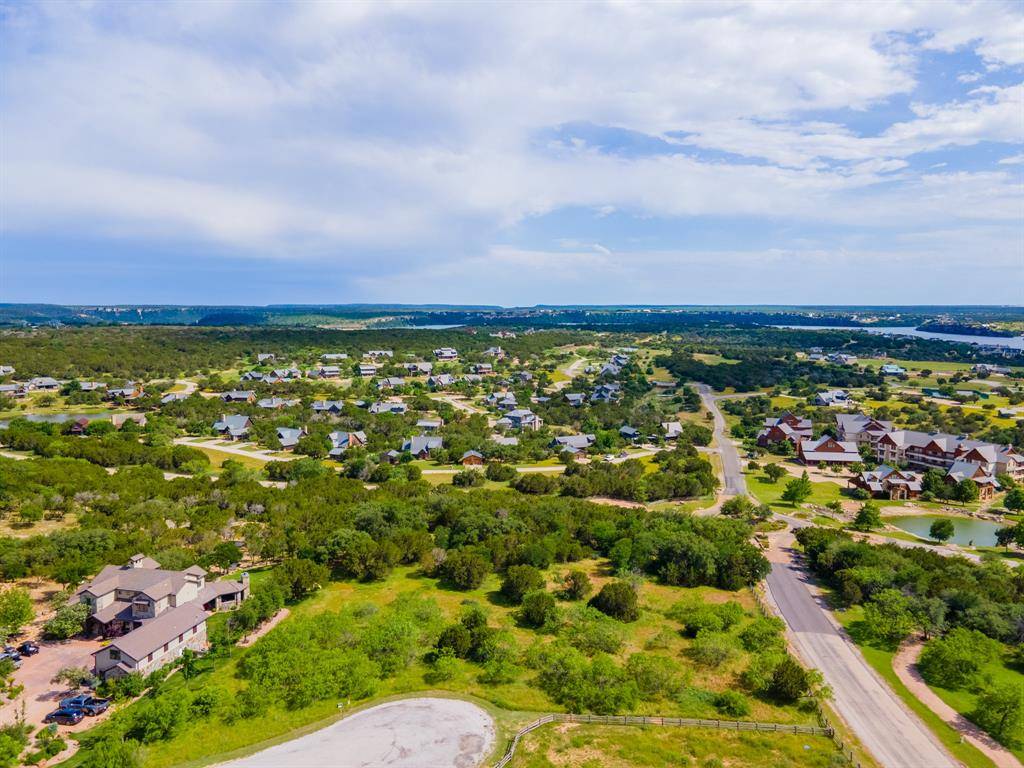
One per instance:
[(441, 381), (43, 383), (341, 441), (573, 443), (276, 403), (420, 446), (827, 450), (289, 437), (328, 406), (238, 396), (152, 614), (388, 406), (236, 426)]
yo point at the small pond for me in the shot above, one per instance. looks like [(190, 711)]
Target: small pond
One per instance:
[(981, 532)]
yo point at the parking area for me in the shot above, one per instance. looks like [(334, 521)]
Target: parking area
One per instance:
[(40, 695)]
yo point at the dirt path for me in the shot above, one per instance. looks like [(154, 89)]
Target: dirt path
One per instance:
[(272, 622), (904, 664)]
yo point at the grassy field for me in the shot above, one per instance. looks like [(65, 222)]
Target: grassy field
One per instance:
[(713, 359), (217, 458), (209, 740), (592, 746), (880, 660)]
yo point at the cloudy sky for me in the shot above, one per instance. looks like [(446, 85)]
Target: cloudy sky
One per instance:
[(516, 153)]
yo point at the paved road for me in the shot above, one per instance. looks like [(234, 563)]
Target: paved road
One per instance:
[(735, 483), (409, 733), (896, 737)]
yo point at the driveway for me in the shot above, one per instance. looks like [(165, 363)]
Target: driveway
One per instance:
[(40, 695), (409, 733)]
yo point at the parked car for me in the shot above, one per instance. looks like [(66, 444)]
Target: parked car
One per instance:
[(11, 651), (90, 705), (65, 716), (28, 648), (13, 658), (609, 457)]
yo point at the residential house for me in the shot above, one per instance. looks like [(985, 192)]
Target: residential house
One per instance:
[(832, 397), (173, 397), (120, 419), (91, 386), (239, 396), (497, 352), (483, 368), (235, 426), (577, 443), (42, 384), (441, 381), (503, 440), (861, 429), (629, 433), (388, 406), (276, 403), (327, 372), (289, 437), (265, 357), (786, 427), (827, 450), (446, 353), (472, 378), (472, 459), (342, 441), (576, 399), (934, 450), (417, 369), (367, 369), (885, 482), (130, 391), (672, 429), (378, 354), (333, 356), (891, 369), (430, 425), (962, 470), (333, 407), (987, 368), (6, 370), (841, 358), (152, 614), (520, 418), (391, 382), (420, 446), (13, 390), (606, 393), (78, 426)]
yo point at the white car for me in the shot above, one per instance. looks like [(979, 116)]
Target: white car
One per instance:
[(609, 457)]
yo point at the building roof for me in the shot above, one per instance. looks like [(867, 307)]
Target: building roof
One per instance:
[(156, 632), (420, 443)]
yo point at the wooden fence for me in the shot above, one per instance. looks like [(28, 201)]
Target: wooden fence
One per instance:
[(682, 722)]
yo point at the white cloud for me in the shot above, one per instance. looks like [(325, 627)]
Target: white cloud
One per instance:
[(330, 130)]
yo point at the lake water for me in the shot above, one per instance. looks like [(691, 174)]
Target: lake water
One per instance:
[(1013, 342), (966, 530)]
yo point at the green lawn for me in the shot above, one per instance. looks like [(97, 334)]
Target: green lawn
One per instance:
[(606, 746), (767, 492), (203, 741), (881, 661)]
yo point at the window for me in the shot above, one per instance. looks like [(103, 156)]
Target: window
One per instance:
[(150, 657), (166, 647), (181, 637), (115, 655)]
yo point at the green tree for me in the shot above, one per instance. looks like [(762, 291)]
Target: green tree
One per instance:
[(464, 569), (520, 579), (73, 677), (15, 610), (798, 490), (966, 491), (888, 616), (300, 577), (1015, 499), (868, 518), (1000, 711), (775, 472), (576, 585), (539, 609), (942, 529), (617, 599), (789, 682), (67, 622), (956, 659)]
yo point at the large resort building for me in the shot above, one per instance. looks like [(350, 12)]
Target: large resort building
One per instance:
[(152, 614)]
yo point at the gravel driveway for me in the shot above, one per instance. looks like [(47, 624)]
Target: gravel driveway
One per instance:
[(409, 733)]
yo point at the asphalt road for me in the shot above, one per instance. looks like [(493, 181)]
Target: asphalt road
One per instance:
[(409, 733), (895, 736), (735, 483)]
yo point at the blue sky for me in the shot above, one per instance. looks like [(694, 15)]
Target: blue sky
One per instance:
[(246, 152)]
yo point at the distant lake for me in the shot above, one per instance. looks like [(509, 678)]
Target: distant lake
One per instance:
[(1013, 342), (433, 327), (966, 530)]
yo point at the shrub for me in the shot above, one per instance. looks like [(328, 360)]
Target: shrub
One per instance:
[(695, 616), (468, 478), (591, 631), (464, 569), (520, 579), (955, 660), (500, 472), (732, 703), (455, 638), (712, 649), (763, 634), (655, 676), (539, 609), (789, 682), (575, 585), (300, 577), (1000, 711), (617, 599)]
